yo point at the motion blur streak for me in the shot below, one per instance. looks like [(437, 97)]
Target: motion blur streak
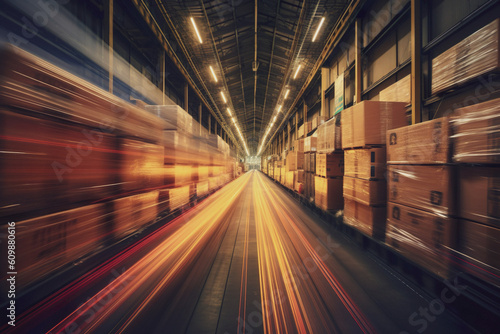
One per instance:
[(290, 301), (158, 267)]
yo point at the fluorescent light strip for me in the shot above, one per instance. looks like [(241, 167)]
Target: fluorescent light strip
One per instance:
[(297, 72), (213, 73), (287, 92), (196, 29), (229, 112), (319, 27), (279, 108), (223, 97)]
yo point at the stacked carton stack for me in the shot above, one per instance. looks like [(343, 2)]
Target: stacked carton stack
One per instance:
[(299, 173), (329, 166), (310, 146), (476, 139), (421, 195), (181, 150), (364, 128)]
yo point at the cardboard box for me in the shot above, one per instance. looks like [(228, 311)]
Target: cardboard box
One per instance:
[(330, 165), (428, 188), (369, 220), (367, 122), (476, 133), (423, 143), (44, 244), (479, 194), (310, 143), (309, 192), (300, 132), (479, 246), (299, 145), (180, 196), (176, 118), (291, 161), (367, 163), (299, 176), (310, 162), (329, 136), (317, 121), (347, 128), (424, 238), (400, 91), (328, 193), (366, 192), (472, 57)]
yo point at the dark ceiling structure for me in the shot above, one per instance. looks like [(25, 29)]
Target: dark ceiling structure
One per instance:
[(259, 52)]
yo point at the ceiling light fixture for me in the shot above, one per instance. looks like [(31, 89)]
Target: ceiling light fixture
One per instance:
[(223, 97), (297, 72), (287, 92), (229, 112), (196, 29), (319, 27), (213, 73), (279, 108)]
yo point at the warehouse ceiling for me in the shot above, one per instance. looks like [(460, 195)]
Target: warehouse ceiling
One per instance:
[(254, 49)]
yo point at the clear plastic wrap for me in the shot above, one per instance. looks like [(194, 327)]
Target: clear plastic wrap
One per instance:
[(311, 143), (367, 122), (422, 143), (428, 188), (364, 191), (40, 88), (44, 244), (176, 118), (472, 57), (329, 136), (369, 163), (180, 196), (397, 92), (476, 133), (369, 220), (328, 193), (479, 194), (423, 237), (479, 251)]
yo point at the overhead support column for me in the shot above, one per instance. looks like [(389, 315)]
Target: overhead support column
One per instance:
[(209, 124), (162, 75), (358, 80), (200, 110), (108, 36), (186, 97), (325, 76), (416, 62), (305, 117)]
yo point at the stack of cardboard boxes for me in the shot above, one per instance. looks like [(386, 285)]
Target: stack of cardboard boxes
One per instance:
[(329, 166), (476, 138), (299, 172), (364, 128), (310, 146), (420, 223)]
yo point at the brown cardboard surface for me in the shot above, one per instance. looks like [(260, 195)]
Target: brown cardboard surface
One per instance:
[(299, 145), (364, 191), (310, 144), (429, 188), (347, 128), (369, 220), (400, 91), (328, 193), (470, 58), (291, 161), (479, 194), (299, 176), (329, 136), (476, 133), (423, 143), (480, 246), (330, 165), (372, 119), (422, 237), (366, 163)]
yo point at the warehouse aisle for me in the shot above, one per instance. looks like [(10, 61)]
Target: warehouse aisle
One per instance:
[(248, 259)]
